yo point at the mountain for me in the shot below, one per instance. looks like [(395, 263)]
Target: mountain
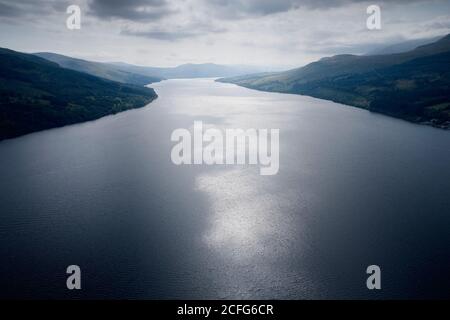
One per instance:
[(37, 94), (140, 75), (413, 85), (102, 70), (190, 70), (403, 46)]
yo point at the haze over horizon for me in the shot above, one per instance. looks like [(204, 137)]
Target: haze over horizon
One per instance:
[(280, 34)]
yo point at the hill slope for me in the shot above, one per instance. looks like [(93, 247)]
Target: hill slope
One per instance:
[(414, 85), (102, 70), (403, 46), (37, 94)]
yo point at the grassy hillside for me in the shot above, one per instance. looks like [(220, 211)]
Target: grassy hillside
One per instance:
[(102, 70), (37, 94), (414, 85)]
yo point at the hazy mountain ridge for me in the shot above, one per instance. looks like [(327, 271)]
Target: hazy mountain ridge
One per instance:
[(98, 69), (403, 46), (37, 94), (142, 75), (414, 85), (190, 70)]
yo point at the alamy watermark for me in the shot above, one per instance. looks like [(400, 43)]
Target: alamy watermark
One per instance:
[(73, 21), (229, 146), (373, 21), (74, 279), (374, 280)]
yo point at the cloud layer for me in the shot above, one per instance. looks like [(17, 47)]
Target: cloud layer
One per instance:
[(169, 32)]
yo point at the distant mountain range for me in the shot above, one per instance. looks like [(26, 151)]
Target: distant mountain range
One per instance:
[(98, 69), (403, 46), (190, 70), (140, 75), (37, 94), (413, 85)]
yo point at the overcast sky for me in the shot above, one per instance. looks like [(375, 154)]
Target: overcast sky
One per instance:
[(282, 33)]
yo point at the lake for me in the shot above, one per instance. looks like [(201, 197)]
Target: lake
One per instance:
[(354, 188)]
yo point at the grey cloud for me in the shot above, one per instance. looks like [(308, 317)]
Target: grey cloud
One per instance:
[(240, 8), (8, 10), (148, 10), (13, 9), (133, 10), (237, 9), (161, 35), (191, 30)]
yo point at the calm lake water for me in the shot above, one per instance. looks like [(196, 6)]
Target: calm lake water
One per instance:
[(354, 189)]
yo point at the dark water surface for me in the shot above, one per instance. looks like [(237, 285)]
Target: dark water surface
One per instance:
[(354, 189)]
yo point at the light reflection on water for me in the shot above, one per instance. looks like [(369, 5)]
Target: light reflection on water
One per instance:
[(246, 221)]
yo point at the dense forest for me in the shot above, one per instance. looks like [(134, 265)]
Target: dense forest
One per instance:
[(37, 94)]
